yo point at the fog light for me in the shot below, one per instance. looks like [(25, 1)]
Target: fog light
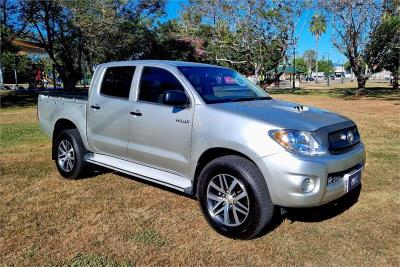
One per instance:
[(307, 185)]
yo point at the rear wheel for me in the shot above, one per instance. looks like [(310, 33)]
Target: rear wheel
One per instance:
[(234, 197), (70, 153)]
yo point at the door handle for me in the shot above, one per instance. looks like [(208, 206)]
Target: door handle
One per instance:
[(138, 113), (95, 106)]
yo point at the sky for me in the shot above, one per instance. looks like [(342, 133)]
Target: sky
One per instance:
[(305, 39)]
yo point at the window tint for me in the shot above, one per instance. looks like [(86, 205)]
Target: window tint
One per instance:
[(154, 82), (217, 85), (117, 81)]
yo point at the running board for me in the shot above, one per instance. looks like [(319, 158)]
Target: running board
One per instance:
[(168, 179)]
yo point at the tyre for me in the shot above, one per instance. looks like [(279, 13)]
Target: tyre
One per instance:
[(234, 197), (70, 153)]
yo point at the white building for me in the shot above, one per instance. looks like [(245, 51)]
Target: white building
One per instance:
[(382, 75)]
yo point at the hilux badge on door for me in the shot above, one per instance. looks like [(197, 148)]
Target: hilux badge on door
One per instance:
[(182, 121)]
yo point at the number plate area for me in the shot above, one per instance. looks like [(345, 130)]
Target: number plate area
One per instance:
[(352, 180)]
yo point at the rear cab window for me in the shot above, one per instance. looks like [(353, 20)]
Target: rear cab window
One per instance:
[(117, 81)]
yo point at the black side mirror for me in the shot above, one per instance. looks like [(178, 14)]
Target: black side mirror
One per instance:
[(175, 98)]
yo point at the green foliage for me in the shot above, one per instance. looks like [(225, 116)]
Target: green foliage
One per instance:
[(318, 25), (317, 28), (12, 61), (250, 36), (80, 34), (325, 66), (169, 45), (116, 30), (383, 49), (310, 57), (301, 65)]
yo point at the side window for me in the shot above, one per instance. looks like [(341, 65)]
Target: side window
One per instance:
[(154, 82), (117, 81)]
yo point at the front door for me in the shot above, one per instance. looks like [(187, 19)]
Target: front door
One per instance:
[(108, 112), (160, 135)]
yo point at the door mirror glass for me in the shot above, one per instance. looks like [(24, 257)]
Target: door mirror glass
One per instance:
[(175, 98)]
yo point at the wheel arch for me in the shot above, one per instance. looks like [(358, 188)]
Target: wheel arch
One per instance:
[(60, 125), (211, 154)]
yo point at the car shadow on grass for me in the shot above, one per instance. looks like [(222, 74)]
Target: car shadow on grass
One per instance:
[(313, 214), (93, 171), (324, 212)]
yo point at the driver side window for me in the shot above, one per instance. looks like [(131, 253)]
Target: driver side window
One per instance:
[(154, 82)]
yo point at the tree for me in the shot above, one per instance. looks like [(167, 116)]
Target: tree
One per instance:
[(80, 34), (317, 28), (248, 35), (7, 34), (116, 29), (310, 57), (353, 21), (301, 65), (50, 25), (326, 66), (171, 45), (383, 50)]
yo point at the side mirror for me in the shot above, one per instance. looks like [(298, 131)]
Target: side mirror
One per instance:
[(175, 98)]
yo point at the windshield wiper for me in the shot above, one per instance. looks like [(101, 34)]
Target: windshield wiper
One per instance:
[(251, 98)]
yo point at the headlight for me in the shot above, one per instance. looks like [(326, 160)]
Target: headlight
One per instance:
[(300, 142)]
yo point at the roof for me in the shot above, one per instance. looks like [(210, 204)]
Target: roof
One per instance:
[(160, 63), (28, 47), (288, 69)]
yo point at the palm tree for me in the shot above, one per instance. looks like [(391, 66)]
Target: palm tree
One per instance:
[(317, 28)]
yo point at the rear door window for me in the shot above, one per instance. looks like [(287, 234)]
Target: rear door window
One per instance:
[(117, 81)]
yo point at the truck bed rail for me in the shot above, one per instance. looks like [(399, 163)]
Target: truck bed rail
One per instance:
[(78, 94)]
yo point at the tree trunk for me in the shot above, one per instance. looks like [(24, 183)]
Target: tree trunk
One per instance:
[(361, 86), (256, 70), (316, 61), (395, 82), (69, 84)]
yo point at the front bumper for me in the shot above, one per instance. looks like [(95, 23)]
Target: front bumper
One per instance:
[(285, 171)]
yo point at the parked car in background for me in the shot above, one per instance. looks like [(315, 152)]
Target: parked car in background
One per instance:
[(310, 79), (207, 131)]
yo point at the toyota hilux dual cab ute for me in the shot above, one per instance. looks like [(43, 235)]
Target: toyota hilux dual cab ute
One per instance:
[(207, 131)]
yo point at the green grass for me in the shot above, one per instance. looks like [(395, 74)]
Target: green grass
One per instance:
[(148, 237), (88, 260), (20, 133)]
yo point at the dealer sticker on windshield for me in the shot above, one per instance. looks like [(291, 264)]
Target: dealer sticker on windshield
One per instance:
[(353, 180)]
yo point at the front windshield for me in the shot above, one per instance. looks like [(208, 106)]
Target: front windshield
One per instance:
[(218, 85)]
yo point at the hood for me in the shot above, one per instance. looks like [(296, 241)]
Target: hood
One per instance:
[(282, 114)]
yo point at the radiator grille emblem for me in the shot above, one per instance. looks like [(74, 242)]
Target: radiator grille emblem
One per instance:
[(350, 137)]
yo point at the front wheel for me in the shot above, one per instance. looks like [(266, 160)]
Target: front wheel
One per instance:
[(70, 153), (234, 197)]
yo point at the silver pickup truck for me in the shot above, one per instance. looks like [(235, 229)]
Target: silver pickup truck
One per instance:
[(207, 131)]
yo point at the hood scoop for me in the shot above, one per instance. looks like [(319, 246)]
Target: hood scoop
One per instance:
[(297, 109)]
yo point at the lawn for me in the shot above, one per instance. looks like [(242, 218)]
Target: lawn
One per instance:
[(111, 219)]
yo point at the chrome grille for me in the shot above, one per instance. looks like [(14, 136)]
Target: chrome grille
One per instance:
[(343, 140)]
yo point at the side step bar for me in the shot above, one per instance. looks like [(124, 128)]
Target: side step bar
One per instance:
[(168, 179)]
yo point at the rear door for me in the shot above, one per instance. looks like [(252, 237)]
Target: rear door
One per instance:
[(108, 112), (160, 135)]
